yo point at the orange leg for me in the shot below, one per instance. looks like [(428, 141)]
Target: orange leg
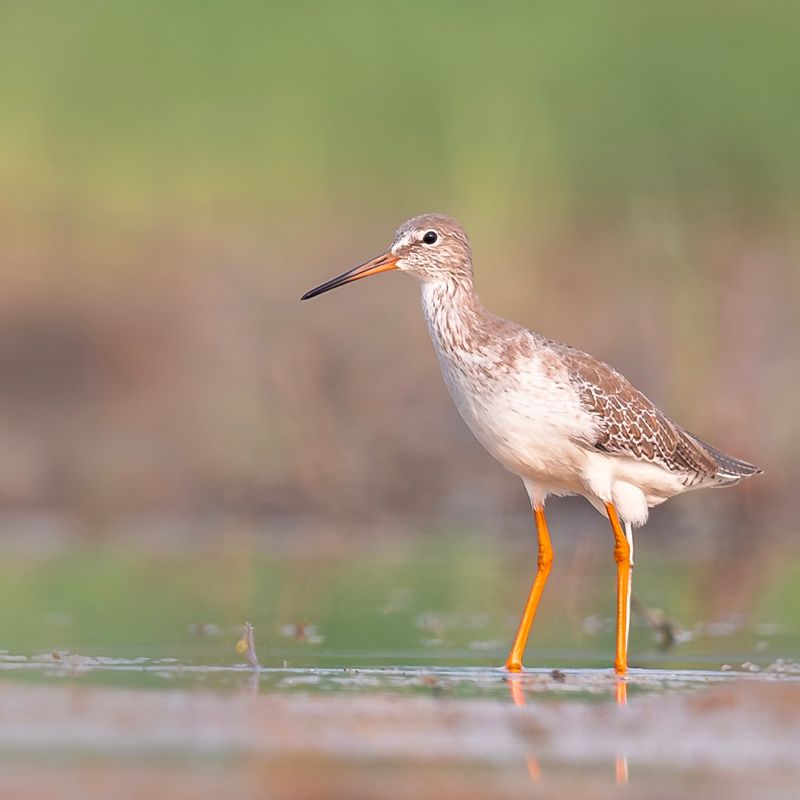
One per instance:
[(544, 562), (623, 555)]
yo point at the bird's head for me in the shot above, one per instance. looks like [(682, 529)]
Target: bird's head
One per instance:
[(433, 247)]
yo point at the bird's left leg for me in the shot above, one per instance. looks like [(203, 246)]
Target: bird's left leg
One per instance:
[(623, 555)]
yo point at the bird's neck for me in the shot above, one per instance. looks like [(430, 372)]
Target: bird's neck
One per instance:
[(457, 320)]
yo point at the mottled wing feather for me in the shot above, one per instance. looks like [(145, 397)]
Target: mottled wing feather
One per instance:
[(630, 424)]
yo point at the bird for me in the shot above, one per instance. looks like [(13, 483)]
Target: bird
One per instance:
[(565, 422)]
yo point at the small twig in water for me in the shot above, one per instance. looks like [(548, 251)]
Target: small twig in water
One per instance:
[(246, 646)]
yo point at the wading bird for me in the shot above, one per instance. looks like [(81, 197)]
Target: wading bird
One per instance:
[(563, 421)]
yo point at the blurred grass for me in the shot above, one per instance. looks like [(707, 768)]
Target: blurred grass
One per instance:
[(174, 175), (504, 110)]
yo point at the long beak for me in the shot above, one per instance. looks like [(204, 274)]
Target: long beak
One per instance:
[(380, 264)]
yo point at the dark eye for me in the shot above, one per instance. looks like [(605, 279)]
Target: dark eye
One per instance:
[(430, 237)]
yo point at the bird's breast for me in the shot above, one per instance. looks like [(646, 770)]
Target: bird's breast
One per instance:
[(518, 407), (528, 424)]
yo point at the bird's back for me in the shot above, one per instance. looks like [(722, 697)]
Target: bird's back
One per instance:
[(629, 424)]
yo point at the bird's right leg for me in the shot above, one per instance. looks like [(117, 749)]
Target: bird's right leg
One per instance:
[(623, 555), (544, 562)]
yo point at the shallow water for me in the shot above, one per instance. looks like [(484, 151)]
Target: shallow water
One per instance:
[(378, 676), (455, 682), (452, 731)]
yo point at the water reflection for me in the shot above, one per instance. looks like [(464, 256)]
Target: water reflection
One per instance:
[(469, 729), (621, 695), (516, 687), (518, 698)]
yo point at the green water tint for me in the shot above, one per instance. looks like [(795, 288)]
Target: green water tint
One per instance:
[(427, 603)]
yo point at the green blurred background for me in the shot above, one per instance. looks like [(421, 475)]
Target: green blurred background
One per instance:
[(185, 444)]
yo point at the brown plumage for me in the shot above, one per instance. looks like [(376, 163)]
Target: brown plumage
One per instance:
[(630, 424)]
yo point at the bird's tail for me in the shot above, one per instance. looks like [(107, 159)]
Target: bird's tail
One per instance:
[(730, 470)]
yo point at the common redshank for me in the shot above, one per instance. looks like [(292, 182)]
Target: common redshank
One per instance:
[(563, 421)]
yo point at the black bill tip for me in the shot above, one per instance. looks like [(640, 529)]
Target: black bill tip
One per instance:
[(380, 264)]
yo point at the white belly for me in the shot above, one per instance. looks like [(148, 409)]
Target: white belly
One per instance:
[(536, 434), (528, 423)]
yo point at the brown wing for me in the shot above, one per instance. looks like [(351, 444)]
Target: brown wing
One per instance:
[(629, 424)]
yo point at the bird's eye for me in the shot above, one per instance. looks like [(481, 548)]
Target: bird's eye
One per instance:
[(430, 237)]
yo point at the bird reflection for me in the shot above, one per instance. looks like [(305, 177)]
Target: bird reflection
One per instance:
[(517, 691), (518, 698), (621, 695)]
